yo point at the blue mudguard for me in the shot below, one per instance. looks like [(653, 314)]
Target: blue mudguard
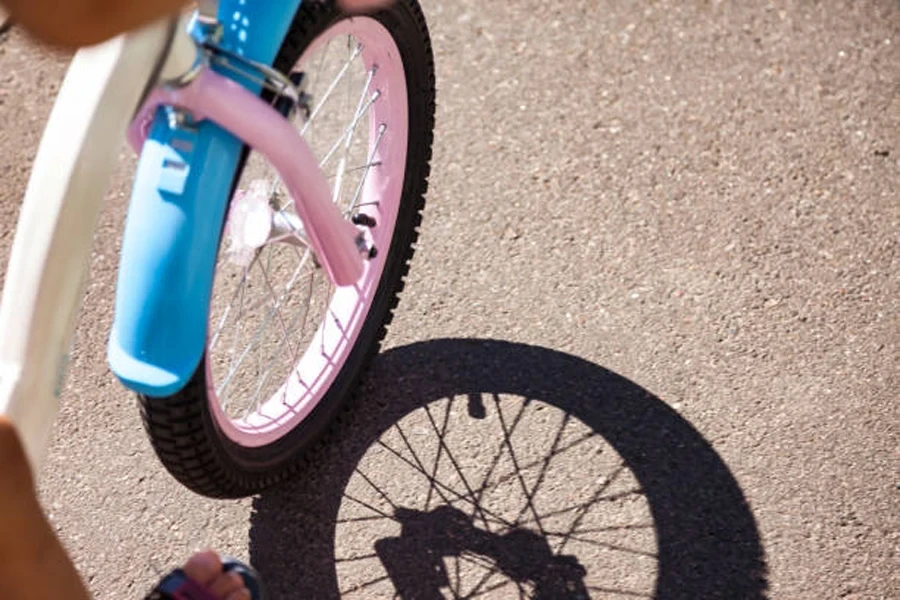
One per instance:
[(178, 205)]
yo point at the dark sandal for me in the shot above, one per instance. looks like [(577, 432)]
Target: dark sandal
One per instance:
[(178, 586)]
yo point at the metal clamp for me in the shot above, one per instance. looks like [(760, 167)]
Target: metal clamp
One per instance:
[(190, 53), (263, 75)]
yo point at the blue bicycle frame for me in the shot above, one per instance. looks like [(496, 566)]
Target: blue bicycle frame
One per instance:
[(177, 209)]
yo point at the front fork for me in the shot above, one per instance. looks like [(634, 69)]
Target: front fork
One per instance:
[(192, 134)]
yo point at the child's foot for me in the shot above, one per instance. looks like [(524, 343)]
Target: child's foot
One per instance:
[(33, 564), (206, 569)]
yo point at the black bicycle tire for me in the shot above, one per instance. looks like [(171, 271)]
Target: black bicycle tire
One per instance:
[(182, 430)]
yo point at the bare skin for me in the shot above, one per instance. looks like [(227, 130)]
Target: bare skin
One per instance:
[(206, 569), (33, 563), (75, 23)]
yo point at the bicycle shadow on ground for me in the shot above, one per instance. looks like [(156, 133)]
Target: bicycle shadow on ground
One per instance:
[(706, 541)]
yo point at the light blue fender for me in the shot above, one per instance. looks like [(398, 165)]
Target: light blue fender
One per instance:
[(178, 205)]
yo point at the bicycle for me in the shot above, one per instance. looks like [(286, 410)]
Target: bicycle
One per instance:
[(238, 86)]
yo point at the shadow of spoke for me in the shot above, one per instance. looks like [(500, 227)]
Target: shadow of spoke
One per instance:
[(545, 465), (477, 588), (609, 546), (441, 433), (499, 454), (363, 586), (350, 559), (535, 463), (368, 506), (630, 594), (418, 465), (529, 504), (584, 508), (443, 445), (705, 537), (376, 488), (362, 519), (456, 495), (603, 529)]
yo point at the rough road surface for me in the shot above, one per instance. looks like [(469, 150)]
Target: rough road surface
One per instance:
[(648, 347)]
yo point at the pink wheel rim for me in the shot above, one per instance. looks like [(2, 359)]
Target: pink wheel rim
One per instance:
[(312, 376)]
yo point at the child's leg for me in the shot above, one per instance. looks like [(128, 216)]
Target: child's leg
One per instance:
[(33, 563)]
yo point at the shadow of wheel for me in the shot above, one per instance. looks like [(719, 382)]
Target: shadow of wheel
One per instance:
[(708, 545)]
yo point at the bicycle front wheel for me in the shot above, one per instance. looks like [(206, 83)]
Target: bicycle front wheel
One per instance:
[(285, 347)]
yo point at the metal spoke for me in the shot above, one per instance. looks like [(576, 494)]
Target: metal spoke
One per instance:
[(268, 372), (354, 204), (359, 168), (340, 76), (312, 283), (347, 134), (258, 354), (263, 325), (237, 292), (284, 328), (237, 336), (361, 107)]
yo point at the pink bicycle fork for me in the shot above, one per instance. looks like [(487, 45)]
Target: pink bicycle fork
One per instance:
[(339, 246)]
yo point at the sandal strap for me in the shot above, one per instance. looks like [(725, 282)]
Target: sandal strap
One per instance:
[(178, 586)]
